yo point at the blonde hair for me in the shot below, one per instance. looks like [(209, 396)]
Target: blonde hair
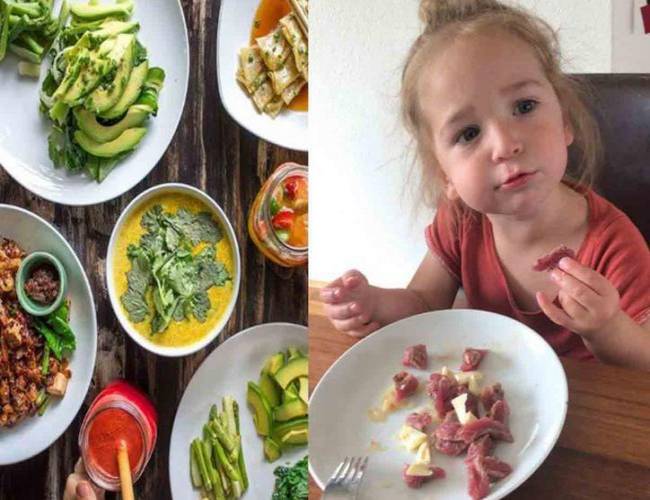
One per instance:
[(444, 21)]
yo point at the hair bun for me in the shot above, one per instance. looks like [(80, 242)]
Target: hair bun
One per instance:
[(437, 13)]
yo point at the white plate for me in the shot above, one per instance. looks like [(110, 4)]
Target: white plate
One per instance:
[(229, 234), (226, 371), (289, 128), (529, 371), (34, 434), (24, 131)]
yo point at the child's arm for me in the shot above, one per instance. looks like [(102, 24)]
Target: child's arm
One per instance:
[(591, 309), (358, 308)]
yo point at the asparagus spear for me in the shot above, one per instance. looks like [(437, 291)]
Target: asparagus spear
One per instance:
[(198, 456)]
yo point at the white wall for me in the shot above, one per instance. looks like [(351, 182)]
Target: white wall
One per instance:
[(358, 150)]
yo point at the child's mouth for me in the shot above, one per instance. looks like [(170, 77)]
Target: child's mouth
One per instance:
[(517, 180)]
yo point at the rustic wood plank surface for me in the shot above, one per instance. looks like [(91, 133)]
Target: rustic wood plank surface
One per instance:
[(209, 151), (603, 451)]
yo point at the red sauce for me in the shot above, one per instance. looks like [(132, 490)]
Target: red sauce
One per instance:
[(107, 429), (267, 15), (119, 412)]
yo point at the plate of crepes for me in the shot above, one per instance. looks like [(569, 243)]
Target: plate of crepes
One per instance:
[(262, 68), (243, 419), (92, 93), (450, 404), (48, 334)]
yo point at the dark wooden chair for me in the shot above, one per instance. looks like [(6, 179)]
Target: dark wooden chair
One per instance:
[(621, 104)]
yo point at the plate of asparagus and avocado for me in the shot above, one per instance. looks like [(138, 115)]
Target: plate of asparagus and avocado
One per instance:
[(97, 93), (241, 427)]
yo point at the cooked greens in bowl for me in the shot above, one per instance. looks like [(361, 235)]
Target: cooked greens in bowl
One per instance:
[(173, 269)]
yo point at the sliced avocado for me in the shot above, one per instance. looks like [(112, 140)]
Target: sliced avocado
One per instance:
[(270, 389), (291, 409), (295, 368), (273, 363), (126, 141), (261, 410), (296, 436), (113, 28), (281, 430), (88, 78), (131, 92), (303, 392), (72, 72), (272, 449), (107, 94), (290, 393), (87, 122), (92, 12), (294, 353)]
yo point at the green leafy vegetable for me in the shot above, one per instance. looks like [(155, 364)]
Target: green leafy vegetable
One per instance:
[(56, 330), (165, 269), (94, 66), (291, 482)]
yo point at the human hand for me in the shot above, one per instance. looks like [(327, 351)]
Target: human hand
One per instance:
[(79, 486), (350, 304), (589, 301)]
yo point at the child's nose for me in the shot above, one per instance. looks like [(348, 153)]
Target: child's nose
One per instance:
[(506, 143)]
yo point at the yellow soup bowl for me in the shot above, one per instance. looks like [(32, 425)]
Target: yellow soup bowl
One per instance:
[(187, 336)]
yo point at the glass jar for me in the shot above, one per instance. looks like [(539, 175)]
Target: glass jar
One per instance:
[(277, 221), (123, 400)]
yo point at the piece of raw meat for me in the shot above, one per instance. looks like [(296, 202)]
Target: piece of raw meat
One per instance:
[(442, 389), (482, 447), (405, 385), (491, 394), (478, 481), (551, 260), (495, 468), (446, 436), (417, 481), (499, 411), (416, 356), (472, 358), (419, 420), (485, 425)]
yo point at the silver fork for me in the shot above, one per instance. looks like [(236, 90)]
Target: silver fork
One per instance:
[(344, 483)]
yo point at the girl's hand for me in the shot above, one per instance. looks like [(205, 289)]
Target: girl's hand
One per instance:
[(350, 304), (589, 301)]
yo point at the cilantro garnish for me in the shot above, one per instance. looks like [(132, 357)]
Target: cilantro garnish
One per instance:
[(164, 268)]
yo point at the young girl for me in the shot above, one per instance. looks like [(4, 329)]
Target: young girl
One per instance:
[(492, 116)]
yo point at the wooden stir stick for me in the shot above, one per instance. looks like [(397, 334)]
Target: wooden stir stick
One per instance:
[(125, 471)]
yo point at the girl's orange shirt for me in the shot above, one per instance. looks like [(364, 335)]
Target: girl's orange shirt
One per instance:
[(613, 246)]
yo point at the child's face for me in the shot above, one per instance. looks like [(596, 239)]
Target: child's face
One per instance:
[(497, 127)]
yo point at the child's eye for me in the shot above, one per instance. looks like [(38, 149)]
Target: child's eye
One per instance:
[(525, 106), (468, 134)]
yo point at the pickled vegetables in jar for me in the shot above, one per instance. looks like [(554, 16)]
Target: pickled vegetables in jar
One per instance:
[(278, 219)]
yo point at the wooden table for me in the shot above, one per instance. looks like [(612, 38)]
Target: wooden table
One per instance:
[(209, 151), (604, 449)]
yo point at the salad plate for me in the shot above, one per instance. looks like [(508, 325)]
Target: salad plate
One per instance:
[(226, 372), (24, 129)]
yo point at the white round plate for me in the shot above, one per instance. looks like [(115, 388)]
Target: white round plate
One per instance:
[(289, 128), (226, 371), (24, 130), (529, 371), (34, 434)]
